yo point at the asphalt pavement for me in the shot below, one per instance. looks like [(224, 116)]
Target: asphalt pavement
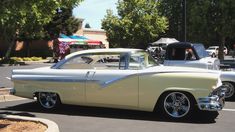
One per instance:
[(91, 119)]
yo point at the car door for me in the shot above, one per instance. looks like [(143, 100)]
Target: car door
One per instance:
[(112, 85), (73, 74)]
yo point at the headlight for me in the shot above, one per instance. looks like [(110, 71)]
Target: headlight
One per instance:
[(218, 84), (218, 89)]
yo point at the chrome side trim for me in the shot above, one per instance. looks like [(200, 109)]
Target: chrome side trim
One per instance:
[(103, 84)]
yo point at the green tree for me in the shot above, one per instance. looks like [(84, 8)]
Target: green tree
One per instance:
[(208, 21), (63, 22), (172, 9), (27, 17), (214, 19), (137, 23)]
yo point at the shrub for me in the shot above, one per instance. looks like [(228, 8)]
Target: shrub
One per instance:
[(27, 59), (36, 58), (16, 59)]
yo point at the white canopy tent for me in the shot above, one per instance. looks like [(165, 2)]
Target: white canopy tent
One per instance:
[(164, 41)]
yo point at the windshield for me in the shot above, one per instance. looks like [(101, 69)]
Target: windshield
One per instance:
[(201, 51)]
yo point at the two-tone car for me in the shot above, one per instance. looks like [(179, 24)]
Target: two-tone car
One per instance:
[(121, 78)]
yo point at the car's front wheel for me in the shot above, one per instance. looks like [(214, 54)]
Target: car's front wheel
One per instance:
[(176, 105), (48, 100)]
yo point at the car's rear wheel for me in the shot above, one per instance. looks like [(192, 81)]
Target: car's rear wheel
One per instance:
[(177, 105), (229, 90), (48, 100)]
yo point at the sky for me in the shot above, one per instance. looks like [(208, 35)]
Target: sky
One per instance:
[(92, 11)]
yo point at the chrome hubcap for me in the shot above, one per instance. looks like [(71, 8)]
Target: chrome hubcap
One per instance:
[(176, 104), (229, 89), (48, 100)]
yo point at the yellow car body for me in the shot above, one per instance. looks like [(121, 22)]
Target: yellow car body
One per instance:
[(113, 83)]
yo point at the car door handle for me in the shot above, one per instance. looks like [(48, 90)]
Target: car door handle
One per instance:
[(90, 75), (87, 75)]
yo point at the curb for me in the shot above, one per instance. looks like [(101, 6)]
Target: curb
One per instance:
[(6, 98), (5, 95), (51, 126), (5, 91)]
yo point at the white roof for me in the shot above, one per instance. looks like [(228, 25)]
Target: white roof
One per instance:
[(111, 50)]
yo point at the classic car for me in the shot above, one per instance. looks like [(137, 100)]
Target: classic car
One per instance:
[(187, 54), (121, 78)]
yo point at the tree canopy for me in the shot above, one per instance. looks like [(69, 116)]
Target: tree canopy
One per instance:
[(63, 22), (214, 19), (210, 22), (137, 23), (27, 17)]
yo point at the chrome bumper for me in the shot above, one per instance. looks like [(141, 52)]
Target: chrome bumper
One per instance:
[(214, 102)]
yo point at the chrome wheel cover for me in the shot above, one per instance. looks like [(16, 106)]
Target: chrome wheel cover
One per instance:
[(176, 104), (48, 100), (229, 89)]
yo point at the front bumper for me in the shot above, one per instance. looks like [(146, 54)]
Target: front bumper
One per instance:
[(214, 102)]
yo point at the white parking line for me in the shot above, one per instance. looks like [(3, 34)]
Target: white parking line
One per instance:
[(229, 110)]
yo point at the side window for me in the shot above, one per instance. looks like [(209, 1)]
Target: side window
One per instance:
[(107, 61), (136, 62), (177, 54), (110, 61), (99, 61), (79, 62)]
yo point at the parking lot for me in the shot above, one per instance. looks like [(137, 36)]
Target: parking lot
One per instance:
[(89, 119)]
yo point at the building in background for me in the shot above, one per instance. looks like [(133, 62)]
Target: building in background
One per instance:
[(94, 34), (43, 48)]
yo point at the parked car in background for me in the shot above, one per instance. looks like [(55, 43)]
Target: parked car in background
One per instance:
[(121, 78), (214, 50), (177, 54)]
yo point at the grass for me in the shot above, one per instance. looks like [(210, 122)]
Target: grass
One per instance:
[(19, 60)]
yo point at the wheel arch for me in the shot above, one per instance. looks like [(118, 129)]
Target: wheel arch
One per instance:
[(35, 94), (187, 92)]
